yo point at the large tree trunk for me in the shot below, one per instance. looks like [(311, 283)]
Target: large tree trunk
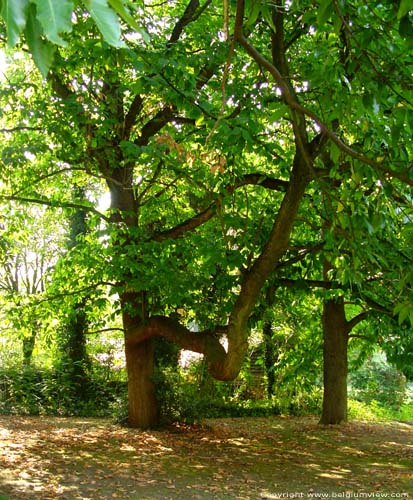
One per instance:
[(140, 364), (142, 404), (335, 330)]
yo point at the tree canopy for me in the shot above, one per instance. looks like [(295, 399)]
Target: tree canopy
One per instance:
[(233, 140)]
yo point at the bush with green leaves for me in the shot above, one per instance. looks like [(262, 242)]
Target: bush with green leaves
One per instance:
[(378, 381), (28, 390)]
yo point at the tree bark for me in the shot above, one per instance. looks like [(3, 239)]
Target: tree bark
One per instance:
[(335, 330), (142, 404)]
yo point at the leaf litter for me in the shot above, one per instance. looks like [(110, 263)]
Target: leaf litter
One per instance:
[(240, 458)]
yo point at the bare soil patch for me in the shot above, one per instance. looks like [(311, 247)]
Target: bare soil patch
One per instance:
[(44, 458)]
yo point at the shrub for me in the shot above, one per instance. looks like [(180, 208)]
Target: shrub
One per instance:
[(378, 381), (180, 400), (27, 390)]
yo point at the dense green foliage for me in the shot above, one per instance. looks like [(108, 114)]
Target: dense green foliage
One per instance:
[(380, 382), (54, 391), (245, 151)]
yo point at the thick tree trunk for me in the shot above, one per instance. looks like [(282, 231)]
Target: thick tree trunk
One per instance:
[(142, 404), (335, 330)]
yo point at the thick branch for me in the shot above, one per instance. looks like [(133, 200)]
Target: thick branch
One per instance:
[(207, 214), (206, 342), (356, 320), (188, 225), (131, 115), (154, 125), (259, 180), (186, 18), (264, 266)]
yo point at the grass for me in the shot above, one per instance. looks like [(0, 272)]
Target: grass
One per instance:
[(374, 412)]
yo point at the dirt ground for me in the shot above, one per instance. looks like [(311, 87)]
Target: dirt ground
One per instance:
[(44, 458)]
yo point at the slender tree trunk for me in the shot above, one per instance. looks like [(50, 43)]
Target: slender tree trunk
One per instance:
[(269, 359), (28, 346), (335, 332), (142, 404), (74, 351), (72, 341)]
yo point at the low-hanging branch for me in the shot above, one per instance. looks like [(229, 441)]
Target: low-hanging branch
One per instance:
[(206, 342)]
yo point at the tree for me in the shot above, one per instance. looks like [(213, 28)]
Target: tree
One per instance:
[(73, 332), (30, 244), (199, 146), (346, 42)]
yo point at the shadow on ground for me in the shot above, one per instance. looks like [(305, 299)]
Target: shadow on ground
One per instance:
[(249, 458)]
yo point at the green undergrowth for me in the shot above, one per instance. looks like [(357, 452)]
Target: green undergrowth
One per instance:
[(34, 391), (376, 412)]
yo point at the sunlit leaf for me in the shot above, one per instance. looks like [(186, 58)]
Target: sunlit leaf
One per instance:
[(119, 7), (106, 20), (55, 18), (14, 14), (42, 50), (404, 8)]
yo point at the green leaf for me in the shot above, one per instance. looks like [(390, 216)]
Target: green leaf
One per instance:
[(107, 21), (404, 8), (56, 17), (119, 7), (280, 112), (14, 14), (403, 311), (200, 120), (406, 27), (42, 51), (324, 11), (253, 8)]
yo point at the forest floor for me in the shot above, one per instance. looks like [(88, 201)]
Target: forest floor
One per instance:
[(44, 458)]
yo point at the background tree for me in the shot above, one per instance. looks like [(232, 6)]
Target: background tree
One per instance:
[(31, 241), (73, 332)]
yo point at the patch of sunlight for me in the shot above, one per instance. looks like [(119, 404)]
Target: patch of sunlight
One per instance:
[(127, 447), (313, 466), (238, 441), (331, 475), (388, 464), (352, 451)]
